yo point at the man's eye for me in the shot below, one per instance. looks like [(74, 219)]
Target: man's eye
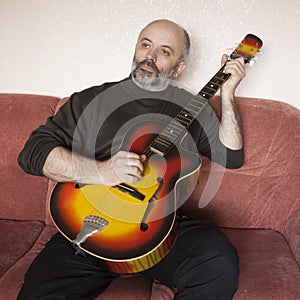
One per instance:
[(145, 45), (165, 52)]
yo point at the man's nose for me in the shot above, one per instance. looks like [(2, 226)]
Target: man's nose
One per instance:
[(152, 55)]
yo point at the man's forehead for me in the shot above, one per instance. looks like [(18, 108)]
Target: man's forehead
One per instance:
[(165, 34)]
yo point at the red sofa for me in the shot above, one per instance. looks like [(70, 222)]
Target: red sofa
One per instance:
[(257, 206)]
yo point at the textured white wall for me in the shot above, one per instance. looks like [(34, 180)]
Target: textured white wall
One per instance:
[(56, 47)]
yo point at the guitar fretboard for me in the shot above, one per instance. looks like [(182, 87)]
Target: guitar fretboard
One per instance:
[(177, 127)]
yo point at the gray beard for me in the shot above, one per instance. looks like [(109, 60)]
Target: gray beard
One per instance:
[(144, 80)]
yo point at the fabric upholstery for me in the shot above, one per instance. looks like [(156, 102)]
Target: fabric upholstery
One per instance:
[(292, 233), (268, 269), (21, 194), (10, 282), (17, 239)]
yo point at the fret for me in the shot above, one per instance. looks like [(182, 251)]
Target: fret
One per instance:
[(217, 80), (185, 115), (197, 103), (222, 76), (208, 90), (158, 148), (193, 108), (183, 122), (173, 128), (198, 100), (148, 152), (207, 96), (169, 134), (194, 104), (178, 124), (213, 85), (163, 140), (172, 133)]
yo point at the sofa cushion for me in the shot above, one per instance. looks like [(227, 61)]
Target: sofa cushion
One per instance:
[(22, 196), (264, 192), (268, 269), (17, 238), (11, 281), (133, 287), (292, 234)]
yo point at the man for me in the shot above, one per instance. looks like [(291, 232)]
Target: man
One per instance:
[(202, 263)]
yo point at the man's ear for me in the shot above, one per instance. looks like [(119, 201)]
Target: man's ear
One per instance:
[(180, 68)]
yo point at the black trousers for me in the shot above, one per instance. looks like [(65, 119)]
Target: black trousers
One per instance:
[(202, 264)]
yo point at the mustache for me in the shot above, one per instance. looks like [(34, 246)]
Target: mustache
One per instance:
[(149, 63)]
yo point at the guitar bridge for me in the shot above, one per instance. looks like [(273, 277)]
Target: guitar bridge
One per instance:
[(91, 225)]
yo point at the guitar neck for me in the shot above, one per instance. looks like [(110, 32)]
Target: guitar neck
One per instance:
[(176, 128)]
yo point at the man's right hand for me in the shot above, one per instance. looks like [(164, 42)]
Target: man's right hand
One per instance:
[(122, 167)]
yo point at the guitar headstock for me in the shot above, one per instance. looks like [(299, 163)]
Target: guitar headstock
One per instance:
[(247, 48)]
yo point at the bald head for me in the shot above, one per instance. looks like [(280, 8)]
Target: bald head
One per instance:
[(171, 32)]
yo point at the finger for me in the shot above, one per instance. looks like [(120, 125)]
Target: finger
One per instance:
[(128, 178), (131, 166), (128, 174), (136, 160), (143, 158), (239, 62), (224, 59), (235, 68), (129, 163), (134, 156), (136, 166), (127, 154)]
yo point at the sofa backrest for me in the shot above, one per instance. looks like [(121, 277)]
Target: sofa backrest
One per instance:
[(261, 194), (22, 196), (265, 191)]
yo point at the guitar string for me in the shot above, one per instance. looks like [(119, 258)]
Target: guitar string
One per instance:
[(218, 79)]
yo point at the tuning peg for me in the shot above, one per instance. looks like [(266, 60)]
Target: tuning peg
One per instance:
[(251, 63), (259, 54)]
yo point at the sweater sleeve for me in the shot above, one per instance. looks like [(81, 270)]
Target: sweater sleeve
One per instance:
[(57, 131)]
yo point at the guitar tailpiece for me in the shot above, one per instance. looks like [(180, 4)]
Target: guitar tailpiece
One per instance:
[(78, 251)]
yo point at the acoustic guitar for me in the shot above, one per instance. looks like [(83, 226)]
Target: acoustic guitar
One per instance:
[(131, 227)]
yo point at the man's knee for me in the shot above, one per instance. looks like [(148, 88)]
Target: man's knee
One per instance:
[(213, 275)]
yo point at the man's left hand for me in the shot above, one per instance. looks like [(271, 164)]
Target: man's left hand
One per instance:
[(237, 70)]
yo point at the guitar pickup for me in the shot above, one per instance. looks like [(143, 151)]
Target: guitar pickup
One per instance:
[(125, 188)]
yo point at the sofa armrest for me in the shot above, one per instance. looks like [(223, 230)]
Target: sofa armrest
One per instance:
[(291, 233)]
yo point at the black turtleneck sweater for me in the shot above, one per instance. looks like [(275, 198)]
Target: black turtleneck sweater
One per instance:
[(94, 121)]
